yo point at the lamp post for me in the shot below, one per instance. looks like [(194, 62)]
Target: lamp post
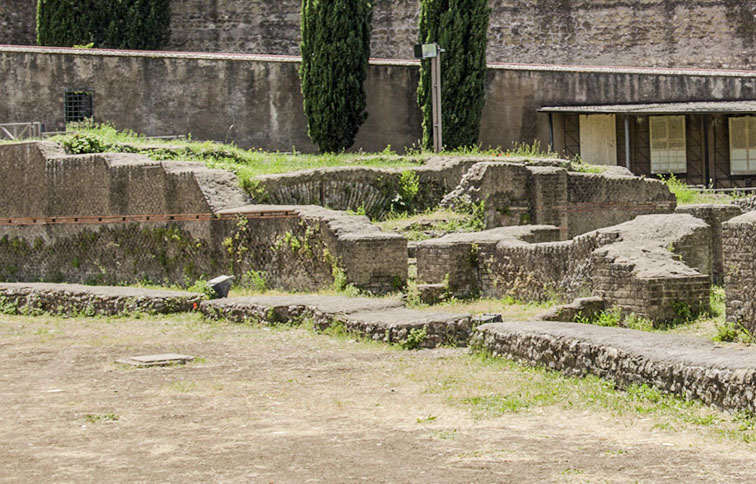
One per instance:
[(433, 52)]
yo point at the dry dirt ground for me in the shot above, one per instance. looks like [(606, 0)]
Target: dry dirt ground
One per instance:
[(288, 405)]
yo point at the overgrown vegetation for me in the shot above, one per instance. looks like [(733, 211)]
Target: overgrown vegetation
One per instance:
[(87, 137), (687, 195), (335, 51), (116, 24), (460, 28)]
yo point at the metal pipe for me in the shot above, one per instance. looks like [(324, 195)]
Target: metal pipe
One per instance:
[(627, 142), (551, 131)]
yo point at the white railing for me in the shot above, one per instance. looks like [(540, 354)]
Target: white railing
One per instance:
[(14, 131)]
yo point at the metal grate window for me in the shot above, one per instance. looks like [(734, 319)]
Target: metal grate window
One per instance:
[(78, 105)]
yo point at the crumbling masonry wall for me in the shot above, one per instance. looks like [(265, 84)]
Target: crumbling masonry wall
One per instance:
[(112, 219), (739, 240), (705, 33), (576, 202), (649, 266)]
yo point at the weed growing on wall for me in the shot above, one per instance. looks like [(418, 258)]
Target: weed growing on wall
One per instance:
[(117, 24), (335, 50), (460, 27)]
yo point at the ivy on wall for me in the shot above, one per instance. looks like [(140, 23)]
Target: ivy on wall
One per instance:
[(460, 27), (335, 51), (115, 24)]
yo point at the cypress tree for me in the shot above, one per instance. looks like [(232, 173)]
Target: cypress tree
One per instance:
[(116, 24), (460, 27), (335, 50)]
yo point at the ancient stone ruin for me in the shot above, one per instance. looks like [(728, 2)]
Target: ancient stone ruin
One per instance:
[(552, 229)]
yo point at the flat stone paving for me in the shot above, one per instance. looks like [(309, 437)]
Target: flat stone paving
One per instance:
[(384, 320), (724, 376), (104, 300)]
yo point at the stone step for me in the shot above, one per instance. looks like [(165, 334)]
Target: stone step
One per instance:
[(385, 320), (719, 375), (73, 299)]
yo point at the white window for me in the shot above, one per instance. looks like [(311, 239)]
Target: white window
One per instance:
[(743, 145), (667, 144)]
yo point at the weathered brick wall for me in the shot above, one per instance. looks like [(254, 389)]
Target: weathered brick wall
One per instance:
[(697, 33), (353, 188), (40, 180), (575, 202), (715, 216), (124, 218), (18, 24), (208, 95), (738, 242), (665, 33), (687, 366), (654, 266)]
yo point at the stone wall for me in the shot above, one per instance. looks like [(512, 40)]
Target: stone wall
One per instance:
[(256, 101), (739, 240), (666, 33), (686, 366), (73, 299), (517, 193), (18, 22), (111, 219), (650, 266), (715, 216), (40, 180)]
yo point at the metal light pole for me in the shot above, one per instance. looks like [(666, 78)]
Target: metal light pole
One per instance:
[(433, 52)]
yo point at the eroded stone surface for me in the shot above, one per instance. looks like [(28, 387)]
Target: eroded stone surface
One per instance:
[(70, 299), (384, 320), (695, 368), (648, 266)]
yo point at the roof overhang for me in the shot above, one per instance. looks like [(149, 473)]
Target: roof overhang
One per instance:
[(706, 107)]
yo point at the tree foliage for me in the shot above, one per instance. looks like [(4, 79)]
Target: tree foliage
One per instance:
[(116, 24), (335, 50), (460, 27)]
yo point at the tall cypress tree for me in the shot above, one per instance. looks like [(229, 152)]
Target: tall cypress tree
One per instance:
[(335, 50), (461, 28), (117, 24)]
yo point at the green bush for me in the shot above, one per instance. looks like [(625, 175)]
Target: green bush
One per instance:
[(335, 50), (116, 24), (461, 28)]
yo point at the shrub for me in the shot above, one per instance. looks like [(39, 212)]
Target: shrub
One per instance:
[(460, 27), (117, 24), (335, 50)]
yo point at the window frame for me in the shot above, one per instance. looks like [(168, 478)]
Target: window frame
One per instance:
[(652, 162), (79, 102), (749, 141)]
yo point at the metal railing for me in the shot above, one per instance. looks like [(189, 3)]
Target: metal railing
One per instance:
[(14, 131)]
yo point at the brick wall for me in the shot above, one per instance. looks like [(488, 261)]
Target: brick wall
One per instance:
[(576, 202), (124, 218), (654, 266), (18, 24), (739, 240)]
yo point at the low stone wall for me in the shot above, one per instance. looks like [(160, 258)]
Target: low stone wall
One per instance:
[(690, 367), (369, 189), (118, 218), (384, 320), (72, 299), (516, 193), (738, 242), (714, 215), (655, 266), (291, 248), (40, 180)]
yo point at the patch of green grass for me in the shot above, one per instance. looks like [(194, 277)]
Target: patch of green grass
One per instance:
[(687, 196), (106, 417)]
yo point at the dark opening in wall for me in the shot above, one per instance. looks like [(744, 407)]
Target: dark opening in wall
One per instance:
[(78, 105)]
